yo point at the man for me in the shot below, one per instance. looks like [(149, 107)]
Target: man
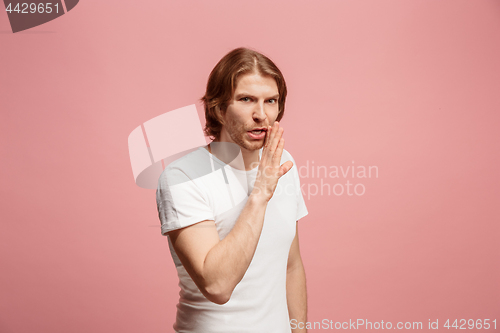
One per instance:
[(231, 226)]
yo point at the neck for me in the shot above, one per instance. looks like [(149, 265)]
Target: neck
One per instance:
[(234, 155)]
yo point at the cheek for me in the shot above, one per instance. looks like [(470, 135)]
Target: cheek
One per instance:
[(272, 114), (238, 121), (235, 125)]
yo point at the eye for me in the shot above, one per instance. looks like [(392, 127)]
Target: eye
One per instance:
[(272, 101), (245, 99)]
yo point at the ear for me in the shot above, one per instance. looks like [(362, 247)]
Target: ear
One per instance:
[(220, 114)]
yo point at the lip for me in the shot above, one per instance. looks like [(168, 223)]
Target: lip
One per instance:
[(260, 136)]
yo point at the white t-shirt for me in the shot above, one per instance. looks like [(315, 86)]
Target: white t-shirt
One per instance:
[(200, 187)]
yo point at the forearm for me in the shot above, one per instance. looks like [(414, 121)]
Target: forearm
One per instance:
[(297, 296), (226, 263)]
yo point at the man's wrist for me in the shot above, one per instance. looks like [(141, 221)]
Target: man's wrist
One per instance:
[(257, 198)]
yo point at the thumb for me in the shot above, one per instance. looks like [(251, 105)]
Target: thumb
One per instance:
[(285, 167)]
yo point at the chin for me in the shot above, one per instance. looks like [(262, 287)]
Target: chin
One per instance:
[(255, 145), (250, 145)]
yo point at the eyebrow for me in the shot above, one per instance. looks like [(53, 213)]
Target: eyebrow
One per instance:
[(240, 95)]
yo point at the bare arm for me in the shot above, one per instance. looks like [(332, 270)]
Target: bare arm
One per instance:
[(217, 266), (296, 286)]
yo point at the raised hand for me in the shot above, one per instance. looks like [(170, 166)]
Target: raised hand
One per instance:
[(270, 170)]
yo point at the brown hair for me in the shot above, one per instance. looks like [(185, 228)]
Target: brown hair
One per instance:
[(224, 77)]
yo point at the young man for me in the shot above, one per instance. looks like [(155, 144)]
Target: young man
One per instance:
[(231, 209)]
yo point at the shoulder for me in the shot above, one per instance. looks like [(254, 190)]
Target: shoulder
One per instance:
[(286, 156), (188, 160), (188, 167)]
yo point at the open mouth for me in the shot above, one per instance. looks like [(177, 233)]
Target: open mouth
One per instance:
[(257, 134), (259, 130)]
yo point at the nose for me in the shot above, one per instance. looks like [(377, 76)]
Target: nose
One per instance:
[(259, 114)]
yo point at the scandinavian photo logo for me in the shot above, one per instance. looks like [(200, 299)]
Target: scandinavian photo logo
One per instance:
[(335, 180), (25, 15)]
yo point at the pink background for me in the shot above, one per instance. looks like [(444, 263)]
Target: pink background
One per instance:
[(411, 87)]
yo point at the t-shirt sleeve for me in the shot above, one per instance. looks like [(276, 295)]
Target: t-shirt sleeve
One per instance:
[(181, 201), (301, 205)]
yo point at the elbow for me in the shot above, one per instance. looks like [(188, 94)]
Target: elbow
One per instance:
[(217, 294), (218, 299)]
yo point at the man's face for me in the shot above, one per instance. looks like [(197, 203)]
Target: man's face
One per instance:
[(253, 105)]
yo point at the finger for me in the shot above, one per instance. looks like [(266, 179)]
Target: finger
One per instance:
[(276, 139), (268, 134), (270, 151), (285, 167), (265, 151), (279, 151), (274, 128)]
